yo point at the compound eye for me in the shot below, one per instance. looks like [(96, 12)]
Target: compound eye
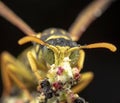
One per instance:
[(48, 55), (74, 56)]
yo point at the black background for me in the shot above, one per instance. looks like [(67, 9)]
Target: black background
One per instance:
[(42, 14)]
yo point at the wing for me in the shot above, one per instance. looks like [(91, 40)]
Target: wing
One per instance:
[(84, 19), (9, 15)]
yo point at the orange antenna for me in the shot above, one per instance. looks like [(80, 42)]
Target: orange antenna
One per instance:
[(109, 46), (36, 40), (27, 39)]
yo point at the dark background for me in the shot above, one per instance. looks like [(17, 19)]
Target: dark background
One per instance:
[(42, 14)]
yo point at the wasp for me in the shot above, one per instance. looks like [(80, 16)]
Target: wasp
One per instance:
[(54, 61)]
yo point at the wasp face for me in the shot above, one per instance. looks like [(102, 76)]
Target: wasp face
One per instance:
[(60, 43)]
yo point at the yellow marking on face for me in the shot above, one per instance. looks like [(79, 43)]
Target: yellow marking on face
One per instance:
[(52, 31), (61, 55), (38, 35), (57, 36)]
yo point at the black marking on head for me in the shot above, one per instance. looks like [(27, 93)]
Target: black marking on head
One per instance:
[(62, 42)]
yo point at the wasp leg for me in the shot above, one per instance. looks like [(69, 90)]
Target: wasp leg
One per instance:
[(85, 79), (7, 85), (81, 59), (20, 84), (33, 65), (11, 71)]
